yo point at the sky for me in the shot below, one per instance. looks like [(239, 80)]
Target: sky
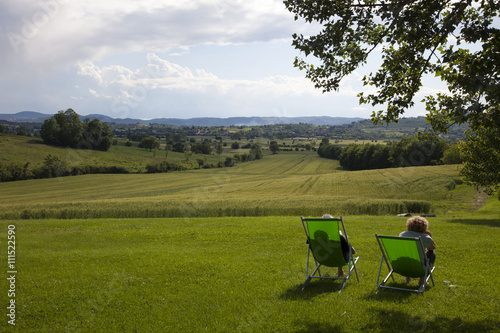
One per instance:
[(150, 59)]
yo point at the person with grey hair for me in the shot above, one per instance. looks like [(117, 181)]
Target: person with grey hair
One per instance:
[(417, 226)]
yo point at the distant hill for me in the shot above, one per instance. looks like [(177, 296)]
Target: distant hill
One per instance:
[(25, 117), (36, 117)]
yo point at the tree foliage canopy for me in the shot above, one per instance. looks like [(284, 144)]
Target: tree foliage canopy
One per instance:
[(150, 142), (408, 151), (274, 147), (456, 40), (66, 129), (481, 153), (416, 38)]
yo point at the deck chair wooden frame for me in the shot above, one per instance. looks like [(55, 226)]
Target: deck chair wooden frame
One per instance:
[(323, 243), (404, 256)]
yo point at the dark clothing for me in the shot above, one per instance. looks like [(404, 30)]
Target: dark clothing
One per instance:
[(345, 247), (431, 257)]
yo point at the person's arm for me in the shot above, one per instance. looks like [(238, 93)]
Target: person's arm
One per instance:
[(433, 245)]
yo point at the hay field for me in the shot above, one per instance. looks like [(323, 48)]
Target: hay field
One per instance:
[(298, 183)]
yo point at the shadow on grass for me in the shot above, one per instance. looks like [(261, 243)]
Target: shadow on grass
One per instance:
[(397, 295), (399, 321), (35, 141), (319, 327), (314, 288), (487, 222)]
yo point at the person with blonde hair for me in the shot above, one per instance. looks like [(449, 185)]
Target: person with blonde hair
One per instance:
[(417, 226)]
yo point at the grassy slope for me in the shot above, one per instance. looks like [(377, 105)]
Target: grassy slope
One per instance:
[(18, 149), (283, 184)]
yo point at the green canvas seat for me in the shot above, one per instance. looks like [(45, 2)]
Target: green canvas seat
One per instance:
[(404, 256), (323, 242)]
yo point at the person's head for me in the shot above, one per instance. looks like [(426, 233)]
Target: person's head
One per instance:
[(417, 223)]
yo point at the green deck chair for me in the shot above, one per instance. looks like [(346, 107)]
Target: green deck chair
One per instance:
[(323, 241), (404, 256)]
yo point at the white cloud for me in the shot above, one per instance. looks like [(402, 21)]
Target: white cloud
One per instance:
[(160, 81), (149, 58), (41, 41), (55, 31)]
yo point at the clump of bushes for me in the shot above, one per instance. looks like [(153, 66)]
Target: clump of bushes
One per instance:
[(166, 166)]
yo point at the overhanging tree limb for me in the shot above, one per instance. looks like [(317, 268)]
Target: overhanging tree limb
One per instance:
[(418, 37)]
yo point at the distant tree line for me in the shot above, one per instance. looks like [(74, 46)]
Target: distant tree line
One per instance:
[(51, 167), (21, 129), (65, 129), (255, 153), (408, 151), (361, 130)]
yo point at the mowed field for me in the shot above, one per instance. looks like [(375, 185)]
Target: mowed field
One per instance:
[(289, 183), (240, 274)]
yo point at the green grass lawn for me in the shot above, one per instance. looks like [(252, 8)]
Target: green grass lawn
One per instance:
[(242, 274)]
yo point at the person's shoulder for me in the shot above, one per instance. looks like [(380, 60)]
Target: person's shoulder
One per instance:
[(409, 233)]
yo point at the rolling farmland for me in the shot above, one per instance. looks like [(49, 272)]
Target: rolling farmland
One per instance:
[(283, 184)]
